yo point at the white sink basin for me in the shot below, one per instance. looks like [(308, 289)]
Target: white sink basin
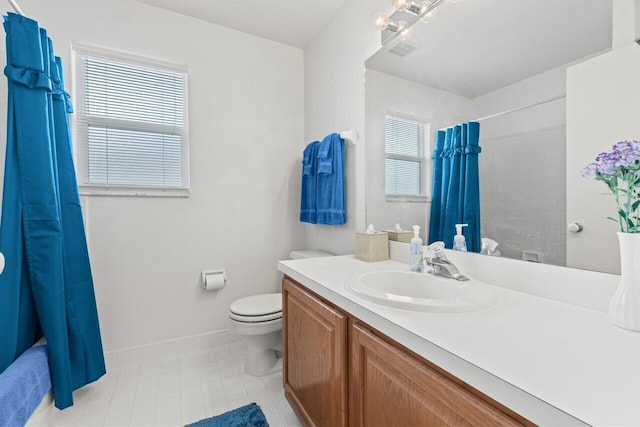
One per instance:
[(421, 292)]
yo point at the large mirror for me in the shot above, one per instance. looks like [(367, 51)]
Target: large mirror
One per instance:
[(504, 64)]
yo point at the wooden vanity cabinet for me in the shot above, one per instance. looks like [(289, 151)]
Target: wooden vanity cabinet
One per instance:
[(314, 357), (390, 387), (386, 384)]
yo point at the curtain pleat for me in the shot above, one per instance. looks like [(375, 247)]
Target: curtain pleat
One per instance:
[(456, 186)]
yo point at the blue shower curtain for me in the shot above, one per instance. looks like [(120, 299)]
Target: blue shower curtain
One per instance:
[(47, 287), (456, 186)]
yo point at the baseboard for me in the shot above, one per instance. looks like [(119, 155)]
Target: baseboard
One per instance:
[(163, 349)]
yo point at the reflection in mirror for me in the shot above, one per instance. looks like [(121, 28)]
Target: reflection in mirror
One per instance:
[(503, 64)]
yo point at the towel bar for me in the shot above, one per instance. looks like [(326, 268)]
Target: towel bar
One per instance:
[(349, 136)]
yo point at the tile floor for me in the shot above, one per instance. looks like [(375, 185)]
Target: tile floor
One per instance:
[(173, 392)]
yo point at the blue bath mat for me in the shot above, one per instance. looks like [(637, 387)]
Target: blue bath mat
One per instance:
[(246, 416)]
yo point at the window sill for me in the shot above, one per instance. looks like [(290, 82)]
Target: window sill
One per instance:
[(411, 199), (133, 192)]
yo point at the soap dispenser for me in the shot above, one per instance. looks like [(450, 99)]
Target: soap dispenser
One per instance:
[(459, 242), (415, 261)]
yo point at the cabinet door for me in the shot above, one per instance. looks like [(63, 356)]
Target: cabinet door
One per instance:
[(390, 387), (314, 347)]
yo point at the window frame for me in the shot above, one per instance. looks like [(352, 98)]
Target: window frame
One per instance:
[(425, 161), (81, 123)]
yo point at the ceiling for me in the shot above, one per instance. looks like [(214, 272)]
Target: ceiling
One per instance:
[(474, 47), (292, 22), (471, 48)]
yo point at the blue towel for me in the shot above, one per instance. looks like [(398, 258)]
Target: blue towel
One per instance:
[(324, 155), (23, 385), (330, 194), (308, 196), (247, 416)]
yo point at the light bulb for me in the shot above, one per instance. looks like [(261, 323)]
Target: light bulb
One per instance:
[(405, 32), (380, 20), (401, 4), (431, 15), (408, 5)]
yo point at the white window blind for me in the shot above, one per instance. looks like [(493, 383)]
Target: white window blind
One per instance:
[(131, 124), (405, 173)]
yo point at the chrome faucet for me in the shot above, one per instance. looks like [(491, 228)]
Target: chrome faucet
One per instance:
[(439, 263)]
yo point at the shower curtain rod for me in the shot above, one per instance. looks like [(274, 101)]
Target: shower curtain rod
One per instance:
[(524, 107), (15, 7)]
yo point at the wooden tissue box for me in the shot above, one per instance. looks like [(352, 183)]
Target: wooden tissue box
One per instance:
[(372, 247), (400, 236)]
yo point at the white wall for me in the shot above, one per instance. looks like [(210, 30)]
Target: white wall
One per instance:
[(246, 101), (334, 101)]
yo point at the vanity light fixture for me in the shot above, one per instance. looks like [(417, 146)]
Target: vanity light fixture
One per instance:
[(430, 13), (409, 5), (405, 31), (424, 11), (382, 22), (417, 8)]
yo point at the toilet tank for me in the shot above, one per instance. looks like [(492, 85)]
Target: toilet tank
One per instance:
[(307, 254), (301, 255)]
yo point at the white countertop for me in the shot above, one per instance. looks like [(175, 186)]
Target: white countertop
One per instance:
[(552, 362)]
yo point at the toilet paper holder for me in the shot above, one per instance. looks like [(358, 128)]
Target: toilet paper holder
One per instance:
[(213, 279)]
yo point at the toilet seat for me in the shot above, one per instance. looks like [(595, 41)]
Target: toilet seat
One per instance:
[(257, 308), (255, 319)]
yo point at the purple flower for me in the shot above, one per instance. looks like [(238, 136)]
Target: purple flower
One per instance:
[(623, 145), (629, 152), (624, 154), (590, 170), (619, 169)]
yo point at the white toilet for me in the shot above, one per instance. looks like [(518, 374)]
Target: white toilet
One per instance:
[(258, 321)]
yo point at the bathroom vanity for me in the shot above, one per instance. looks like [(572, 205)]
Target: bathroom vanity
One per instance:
[(523, 360), (340, 371)]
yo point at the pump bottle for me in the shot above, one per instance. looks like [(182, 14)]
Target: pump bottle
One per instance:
[(415, 261), (459, 242)]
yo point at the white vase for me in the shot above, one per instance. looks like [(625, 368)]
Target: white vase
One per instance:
[(624, 307)]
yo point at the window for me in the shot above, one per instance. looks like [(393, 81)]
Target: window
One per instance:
[(406, 174), (131, 125)]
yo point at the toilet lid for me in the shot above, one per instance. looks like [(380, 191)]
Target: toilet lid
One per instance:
[(264, 305)]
